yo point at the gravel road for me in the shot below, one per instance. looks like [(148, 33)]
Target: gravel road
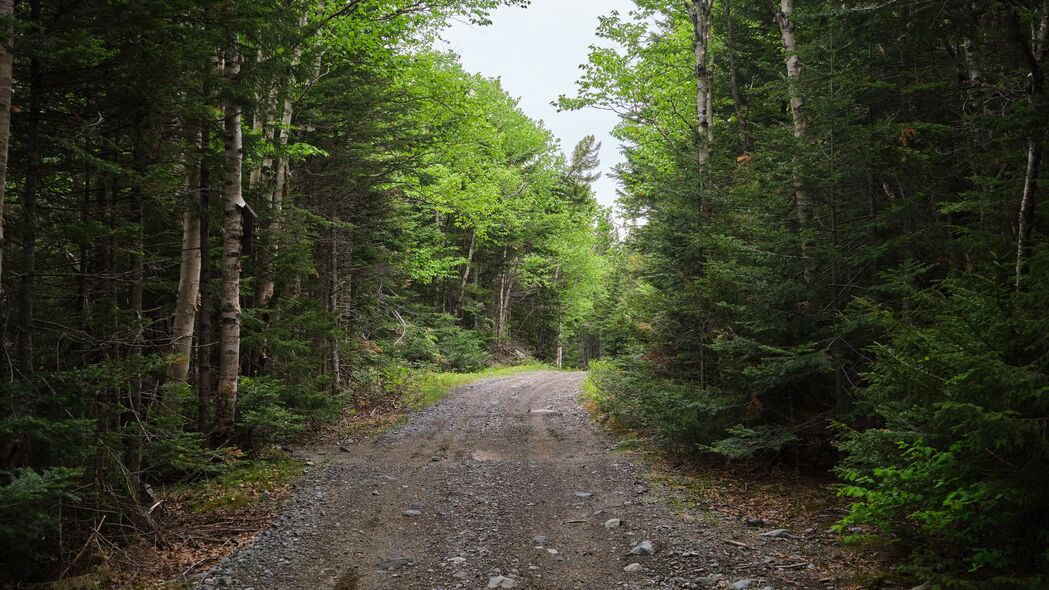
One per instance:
[(505, 484)]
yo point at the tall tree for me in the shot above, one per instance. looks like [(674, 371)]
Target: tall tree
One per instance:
[(699, 12), (7, 8), (233, 212)]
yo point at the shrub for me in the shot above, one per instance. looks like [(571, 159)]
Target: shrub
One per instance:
[(675, 413), (265, 414), (29, 517), (461, 350), (959, 469)]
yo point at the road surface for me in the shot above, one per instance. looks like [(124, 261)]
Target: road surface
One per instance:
[(505, 484)]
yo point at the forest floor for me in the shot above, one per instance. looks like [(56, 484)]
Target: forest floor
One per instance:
[(507, 483)]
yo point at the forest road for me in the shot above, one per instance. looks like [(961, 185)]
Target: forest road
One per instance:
[(504, 484)]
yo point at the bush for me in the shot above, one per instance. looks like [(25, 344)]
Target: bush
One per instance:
[(675, 413), (436, 342), (29, 518), (265, 414), (959, 469), (461, 350)]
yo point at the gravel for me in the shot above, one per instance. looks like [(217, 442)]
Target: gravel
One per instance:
[(493, 476)]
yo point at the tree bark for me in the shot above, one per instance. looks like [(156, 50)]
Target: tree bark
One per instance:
[(699, 13), (189, 269), (232, 232), (138, 407), (204, 311), (6, 77), (737, 103), (506, 286), (464, 278), (32, 189), (276, 188), (560, 341), (800, 127), (333, 309), (1035, 56)]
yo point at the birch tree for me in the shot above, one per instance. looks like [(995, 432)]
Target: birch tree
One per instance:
[(189, 267), (800, 125), (699, 12), (232, 234), (1035, 54)]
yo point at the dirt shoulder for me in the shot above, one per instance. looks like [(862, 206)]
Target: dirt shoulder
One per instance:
[(508, 483)]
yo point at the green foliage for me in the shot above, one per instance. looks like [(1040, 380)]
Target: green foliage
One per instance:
[(30, 513), (239, 484), (461, 350), (745, 442), (273, 412), (677, 414), (908, 309), (960, 463), (432, 387)]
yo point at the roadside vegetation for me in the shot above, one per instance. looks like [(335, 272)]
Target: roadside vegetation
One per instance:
[(231, 226), (228, 225), (834, 265)]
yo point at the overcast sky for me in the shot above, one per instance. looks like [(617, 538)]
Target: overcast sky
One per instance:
[(536, 52)]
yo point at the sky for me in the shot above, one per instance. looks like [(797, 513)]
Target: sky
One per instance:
[(536, 53)]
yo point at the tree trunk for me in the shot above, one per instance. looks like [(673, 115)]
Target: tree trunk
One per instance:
[(737, 103), (800, 124), (1035, 56), (137, 405), (32, 189), (232, 233), (464, 278), (333, 309), (189, 270), (507, 277), (277, 188), (1027, 209), (6, 76), (560, 341), (204, 312), (699, 13)]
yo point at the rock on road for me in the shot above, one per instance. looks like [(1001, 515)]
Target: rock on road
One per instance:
[(504, 484)]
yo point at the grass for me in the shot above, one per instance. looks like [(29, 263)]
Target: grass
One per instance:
[(434, 386), (239, 487), (421, 390)]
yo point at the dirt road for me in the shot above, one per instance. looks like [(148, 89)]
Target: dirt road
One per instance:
[(505, 484)]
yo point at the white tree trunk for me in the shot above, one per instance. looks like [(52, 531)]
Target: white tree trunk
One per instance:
[(232, 232), (276, 187), (699, 13), (560, 342), (189, 270), (800, 124), (1034, 153)]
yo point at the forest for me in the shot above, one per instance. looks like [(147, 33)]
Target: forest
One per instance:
[(226, 223)]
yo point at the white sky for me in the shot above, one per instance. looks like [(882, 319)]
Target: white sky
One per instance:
[(536, 53)]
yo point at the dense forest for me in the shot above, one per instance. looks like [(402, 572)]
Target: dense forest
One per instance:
[(836, 259), (226, 222)]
